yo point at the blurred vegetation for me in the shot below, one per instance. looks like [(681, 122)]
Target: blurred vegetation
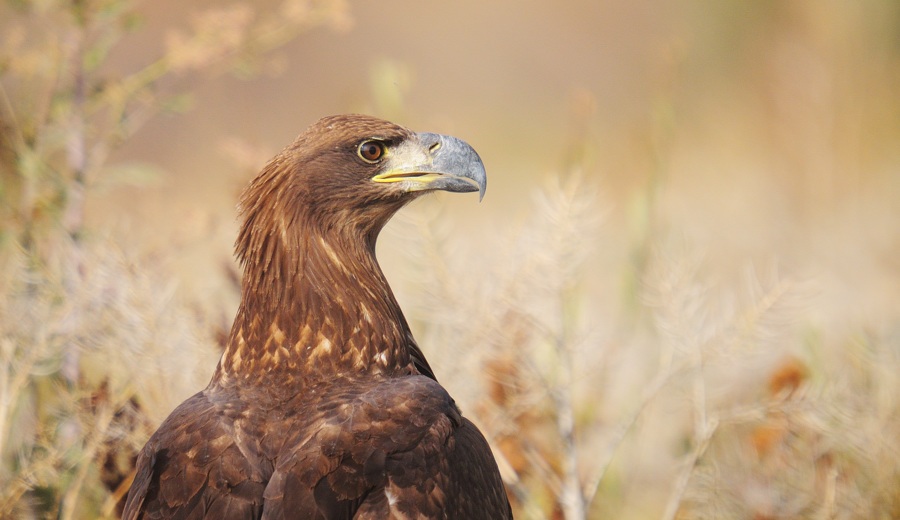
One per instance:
[(661, 335), (94, 344)]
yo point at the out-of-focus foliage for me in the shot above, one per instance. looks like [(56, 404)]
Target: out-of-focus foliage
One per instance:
[(95, 346), (63, 113)]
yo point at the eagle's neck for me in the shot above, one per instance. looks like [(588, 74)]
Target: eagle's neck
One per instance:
[(315, 309)]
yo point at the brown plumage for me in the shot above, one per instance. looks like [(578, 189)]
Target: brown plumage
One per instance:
[(322, 405)]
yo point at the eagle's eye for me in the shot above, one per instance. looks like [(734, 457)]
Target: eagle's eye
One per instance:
[(371, 151)]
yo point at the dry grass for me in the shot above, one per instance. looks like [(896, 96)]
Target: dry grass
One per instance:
[(715, 402), (96, 350), (96, 347)]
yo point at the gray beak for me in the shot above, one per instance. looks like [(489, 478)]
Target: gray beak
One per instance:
[(435, 162)]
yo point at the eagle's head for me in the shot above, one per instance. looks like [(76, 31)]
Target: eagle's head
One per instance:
[(351, 173), (361, 160), (341, 180)]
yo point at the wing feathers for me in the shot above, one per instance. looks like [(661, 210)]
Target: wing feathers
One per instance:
[(386, 451), (192, 468), (374, 449)]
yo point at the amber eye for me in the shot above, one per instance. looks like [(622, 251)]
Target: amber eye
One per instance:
[(371, 151)]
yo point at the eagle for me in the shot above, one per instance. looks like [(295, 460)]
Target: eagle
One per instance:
[(322, 405)]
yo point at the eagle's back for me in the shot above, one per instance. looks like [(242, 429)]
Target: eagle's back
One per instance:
[(386, 448), (382, 448)]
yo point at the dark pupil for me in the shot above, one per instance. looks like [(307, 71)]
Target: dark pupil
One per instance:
[(372, 151)]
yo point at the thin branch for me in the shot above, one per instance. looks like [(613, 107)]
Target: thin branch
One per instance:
[(651, 390), (701, 443)]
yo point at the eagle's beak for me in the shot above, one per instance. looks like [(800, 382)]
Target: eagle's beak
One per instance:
[(434, 162)]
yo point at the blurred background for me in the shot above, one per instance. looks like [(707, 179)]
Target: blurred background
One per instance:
[(680, 297)]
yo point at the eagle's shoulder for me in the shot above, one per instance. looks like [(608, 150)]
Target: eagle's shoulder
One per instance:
[(385, 448), (193, 465), (358, 435)]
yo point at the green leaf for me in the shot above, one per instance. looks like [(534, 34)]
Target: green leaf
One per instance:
[(129, 174), (178, 104)]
